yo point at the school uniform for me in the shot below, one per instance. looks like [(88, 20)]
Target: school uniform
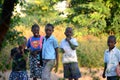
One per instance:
[(69, 59), (112, 58), (48, 56)]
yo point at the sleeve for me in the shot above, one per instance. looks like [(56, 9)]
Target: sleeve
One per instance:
[(119, 56), (28, 43), (74, 42), (55, 43)]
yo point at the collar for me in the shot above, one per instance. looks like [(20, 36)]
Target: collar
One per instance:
[(112, 49), (70, 39), (51, 37)]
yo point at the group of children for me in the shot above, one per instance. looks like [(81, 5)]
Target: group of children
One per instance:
[(44, 56)]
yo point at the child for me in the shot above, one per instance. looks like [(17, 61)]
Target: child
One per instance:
[(19, 57), (35, 46), (49, 52), (70, 63), (111, 59)]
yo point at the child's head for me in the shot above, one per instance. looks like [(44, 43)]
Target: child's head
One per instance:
[(49, 28), (68, 32), (111, 42), (14, 52), (23, 42), (35, 30)]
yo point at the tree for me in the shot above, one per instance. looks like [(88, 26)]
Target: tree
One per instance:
[(98, 16), (113, 22), (7, 8), (40, 11)]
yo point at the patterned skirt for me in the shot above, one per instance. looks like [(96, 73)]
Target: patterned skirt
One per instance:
[(18, 75), (35, 69)]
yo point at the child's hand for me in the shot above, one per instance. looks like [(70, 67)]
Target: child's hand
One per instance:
[(38, 64), (103, 75), (62, 50), (67, 39)]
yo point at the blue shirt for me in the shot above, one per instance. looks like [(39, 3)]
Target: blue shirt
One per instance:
[(48, 50), (34, 43), (112, 58)]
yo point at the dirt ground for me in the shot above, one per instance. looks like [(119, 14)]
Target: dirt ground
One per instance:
[(87, 74)]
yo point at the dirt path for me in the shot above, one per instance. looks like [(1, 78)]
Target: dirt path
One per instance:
[(93, 74), (5, 76)]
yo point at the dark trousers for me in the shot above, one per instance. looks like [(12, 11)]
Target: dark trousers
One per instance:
[(112, 78)]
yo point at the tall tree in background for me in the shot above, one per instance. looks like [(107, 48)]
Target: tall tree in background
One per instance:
[(6, 14)]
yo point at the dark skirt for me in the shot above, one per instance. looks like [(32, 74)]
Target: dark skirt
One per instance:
[(18, 75), (35, 70)]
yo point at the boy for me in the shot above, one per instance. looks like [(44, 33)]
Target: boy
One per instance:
[(111, 59), (70, 63), (49, 52)]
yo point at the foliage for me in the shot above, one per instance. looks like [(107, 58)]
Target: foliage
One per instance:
[(40, 12), (96, 17), (99, 16), (90, 53), (12, 35)]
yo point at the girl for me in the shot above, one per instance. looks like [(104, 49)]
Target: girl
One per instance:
[(19, 57), (35, 46)]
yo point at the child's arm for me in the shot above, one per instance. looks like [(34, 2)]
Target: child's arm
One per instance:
[(73, 47), (25, 55), (105, 66), (62, 50), (57, 59)]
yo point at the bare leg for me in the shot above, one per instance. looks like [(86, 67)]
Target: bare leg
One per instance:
[(70, 79), (34, 78), (76, 79)]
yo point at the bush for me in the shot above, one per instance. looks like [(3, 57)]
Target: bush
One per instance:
[(90, 53)]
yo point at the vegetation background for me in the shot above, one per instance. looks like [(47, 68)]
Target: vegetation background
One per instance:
[(92, 20)]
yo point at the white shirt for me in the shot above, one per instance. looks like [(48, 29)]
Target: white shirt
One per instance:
[(69, 55), (112, 58)]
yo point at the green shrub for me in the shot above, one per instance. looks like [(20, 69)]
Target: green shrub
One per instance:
[(90, 53)]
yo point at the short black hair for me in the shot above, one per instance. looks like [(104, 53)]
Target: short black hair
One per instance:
[(112, 37), (49, 25), (35, 25), (68, 28)]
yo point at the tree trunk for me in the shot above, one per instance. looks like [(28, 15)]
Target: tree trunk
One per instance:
[(7, 9)]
